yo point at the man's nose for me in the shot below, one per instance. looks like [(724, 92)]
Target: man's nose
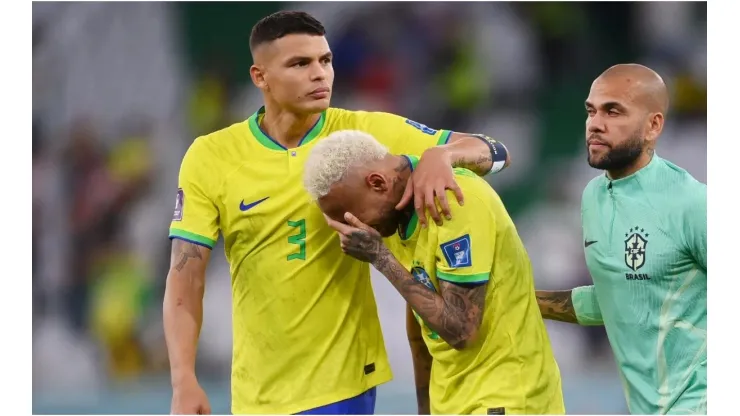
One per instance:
[(318, 72), (596, 124)]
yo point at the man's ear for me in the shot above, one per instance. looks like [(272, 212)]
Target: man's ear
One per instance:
[(377, 182)]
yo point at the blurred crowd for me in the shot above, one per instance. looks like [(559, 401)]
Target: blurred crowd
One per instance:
[(121, 89)]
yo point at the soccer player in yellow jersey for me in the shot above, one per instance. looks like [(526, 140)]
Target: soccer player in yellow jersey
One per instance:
[(468, 282), (306, 332)]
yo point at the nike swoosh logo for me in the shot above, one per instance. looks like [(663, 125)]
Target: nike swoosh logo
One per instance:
[(588, 243), (252, 205)]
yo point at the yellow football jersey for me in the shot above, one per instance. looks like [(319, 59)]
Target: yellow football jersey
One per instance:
[(510, 367), (305, 325)]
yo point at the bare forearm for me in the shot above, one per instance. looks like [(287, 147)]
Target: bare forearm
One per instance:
[(422, 361), (556, 305), (183, 308), (476, 152), (183, 317), (450, 320), (422, 374)]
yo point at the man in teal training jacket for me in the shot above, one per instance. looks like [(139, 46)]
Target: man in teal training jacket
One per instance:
[(645, 239)]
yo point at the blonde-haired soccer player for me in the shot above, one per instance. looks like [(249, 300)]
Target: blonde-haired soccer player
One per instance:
[(468, 282)]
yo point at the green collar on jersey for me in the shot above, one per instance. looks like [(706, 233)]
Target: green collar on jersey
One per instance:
[(410, 227), (414, 220), (269, 142), (636, 177)]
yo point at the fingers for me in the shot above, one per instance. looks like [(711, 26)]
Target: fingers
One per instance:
[(431, 206), (420, 210), (338, 226), (408, 193), (458, 194), (353, 221), (442, 197)]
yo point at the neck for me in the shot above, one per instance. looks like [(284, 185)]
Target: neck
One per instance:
[(642, 161), (402, 169), (286, 127)]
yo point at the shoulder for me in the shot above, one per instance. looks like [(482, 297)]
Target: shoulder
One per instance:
[(694, 204), (347, 119), (592, 189), (223, 144), (481, 199), (678, 189), (593, 186), (214, 152)]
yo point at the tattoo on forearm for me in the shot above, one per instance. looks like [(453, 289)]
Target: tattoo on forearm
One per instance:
[(186, 251), (464, 313), (481, 165), (557, 305), (455, 316)]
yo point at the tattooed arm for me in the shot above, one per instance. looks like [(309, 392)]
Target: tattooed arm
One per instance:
[(454, 314), (183, 307), (422, 362), (477, 152), (556, 305), (577, 306)]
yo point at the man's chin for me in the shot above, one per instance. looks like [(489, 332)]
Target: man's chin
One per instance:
[(317, 106), (597, 162)]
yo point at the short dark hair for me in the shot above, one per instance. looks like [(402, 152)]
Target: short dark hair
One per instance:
[(284, 23)]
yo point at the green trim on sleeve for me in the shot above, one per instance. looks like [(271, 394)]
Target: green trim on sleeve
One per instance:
[(444, 137), (192, 237), (464, 278)]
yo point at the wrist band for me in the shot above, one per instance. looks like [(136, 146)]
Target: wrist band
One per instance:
[(498, 152)]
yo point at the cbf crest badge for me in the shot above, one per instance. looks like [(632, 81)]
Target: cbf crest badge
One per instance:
[(422, 277), (635, 248)]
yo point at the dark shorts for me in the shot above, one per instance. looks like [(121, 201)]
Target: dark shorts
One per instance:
[(364, 404)]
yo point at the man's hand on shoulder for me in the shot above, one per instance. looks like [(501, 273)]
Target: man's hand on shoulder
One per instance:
[(429, 182)]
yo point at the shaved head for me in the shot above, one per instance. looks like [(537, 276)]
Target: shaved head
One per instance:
[(645, 86), (626, 110)]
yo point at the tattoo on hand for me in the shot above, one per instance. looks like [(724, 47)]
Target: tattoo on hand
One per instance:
[(364, 246), (557, 305), (186, 251)]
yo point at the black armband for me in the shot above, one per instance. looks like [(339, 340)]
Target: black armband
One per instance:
[(498, 152)]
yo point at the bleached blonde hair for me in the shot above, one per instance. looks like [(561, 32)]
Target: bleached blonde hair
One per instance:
[(334, 156)]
